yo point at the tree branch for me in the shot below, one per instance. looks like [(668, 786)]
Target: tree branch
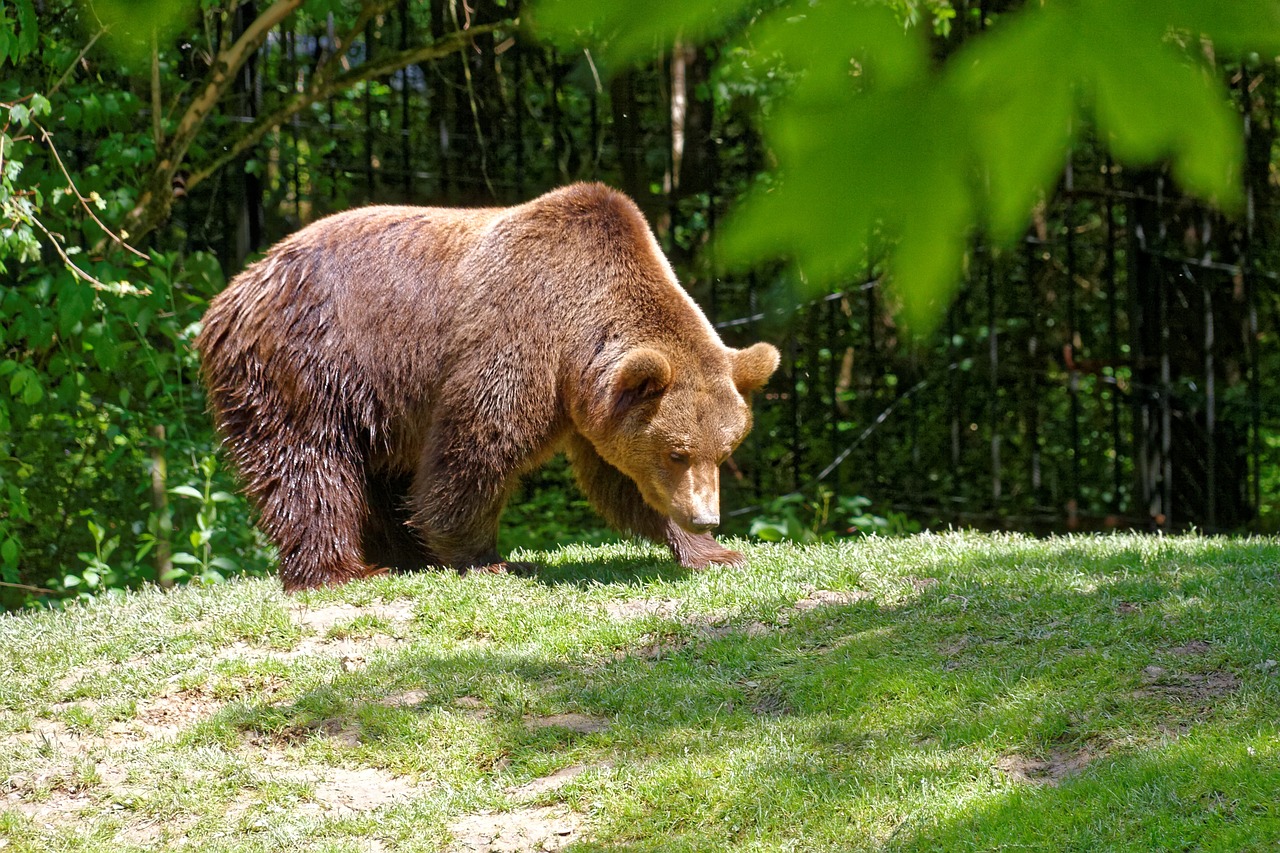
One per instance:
[(155, 199), (157, 105), (225, 68), (322, 88)]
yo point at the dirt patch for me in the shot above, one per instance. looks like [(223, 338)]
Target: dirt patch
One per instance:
[(472, 706), (546, 828), (321, 620), (58, 808), (581, 723), (667, 608), (720, 630), (1195, 647), (353, 653), (154, 830), (1193, 687), (554, 782), (350, 791), (405, 699), (341, 730), (166, 716), (56, 735), (1049, 771), (339, 790), (832, 598)]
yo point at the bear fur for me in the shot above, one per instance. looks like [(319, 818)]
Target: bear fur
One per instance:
[(384, 376)]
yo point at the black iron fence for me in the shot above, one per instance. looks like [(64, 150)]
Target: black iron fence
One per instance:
[(1109, 371)]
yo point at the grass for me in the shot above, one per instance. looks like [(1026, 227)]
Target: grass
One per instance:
[(953, 692)]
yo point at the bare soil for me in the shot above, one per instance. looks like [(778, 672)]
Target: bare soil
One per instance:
[(89, 768)]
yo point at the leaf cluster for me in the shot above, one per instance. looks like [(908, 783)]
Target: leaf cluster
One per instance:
[(881, 150)]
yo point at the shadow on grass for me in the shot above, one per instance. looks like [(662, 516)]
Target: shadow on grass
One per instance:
[(640, 569), (1065, 696)]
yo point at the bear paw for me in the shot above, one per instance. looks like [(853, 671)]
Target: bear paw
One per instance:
[(701, 550), (718, 557), (726, 557)]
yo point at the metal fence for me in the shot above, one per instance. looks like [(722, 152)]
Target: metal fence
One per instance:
[(1106, 372)]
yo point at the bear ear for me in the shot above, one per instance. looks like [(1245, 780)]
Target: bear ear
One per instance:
[(643, 375), (753, 366)]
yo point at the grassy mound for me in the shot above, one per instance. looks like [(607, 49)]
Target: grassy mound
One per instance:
[(936, 693)]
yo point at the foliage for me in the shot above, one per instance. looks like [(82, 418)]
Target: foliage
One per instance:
[(794, 518), (99, 137), (920, 153), (95, 351)]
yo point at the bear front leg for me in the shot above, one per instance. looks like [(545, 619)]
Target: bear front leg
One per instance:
[(617, 498), (457, 498)]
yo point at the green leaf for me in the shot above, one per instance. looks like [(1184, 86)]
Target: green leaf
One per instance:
[(182, 558), (876, 152), (1022, 112), (1153, 105), (187, 492), (28, 33), (1232, 26), (768, 532), (631, 30), (129, 24), (9, 552), (32, 390)]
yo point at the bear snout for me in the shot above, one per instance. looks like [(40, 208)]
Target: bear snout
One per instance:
[(704, 522)]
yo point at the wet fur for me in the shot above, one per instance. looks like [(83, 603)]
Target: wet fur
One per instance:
[(383, 377)]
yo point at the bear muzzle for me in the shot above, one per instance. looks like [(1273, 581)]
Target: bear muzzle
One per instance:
[(704, 522)]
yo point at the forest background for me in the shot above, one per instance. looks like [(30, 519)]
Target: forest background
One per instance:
[(1020, 257)]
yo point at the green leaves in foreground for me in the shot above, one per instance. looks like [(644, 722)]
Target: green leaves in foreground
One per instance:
[(878, 149)]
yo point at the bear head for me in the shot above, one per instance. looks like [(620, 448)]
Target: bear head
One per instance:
[(674, 422)]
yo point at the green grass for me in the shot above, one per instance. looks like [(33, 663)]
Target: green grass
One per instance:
[(957, 692)]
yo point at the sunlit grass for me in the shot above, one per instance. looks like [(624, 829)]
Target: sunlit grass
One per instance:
[(934, 693)]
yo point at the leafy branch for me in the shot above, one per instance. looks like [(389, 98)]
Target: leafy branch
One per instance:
[(923, 153), (324, 84), (157, 196), (21, 207)]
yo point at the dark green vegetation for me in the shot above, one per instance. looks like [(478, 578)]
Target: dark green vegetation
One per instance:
[(958, 692), (1113, 369)]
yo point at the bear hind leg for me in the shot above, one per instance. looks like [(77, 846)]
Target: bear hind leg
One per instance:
[(311, 504)]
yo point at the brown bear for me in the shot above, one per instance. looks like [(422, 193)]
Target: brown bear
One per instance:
[(383, 377)]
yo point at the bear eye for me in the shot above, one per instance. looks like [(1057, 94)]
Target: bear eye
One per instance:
[(680, 458)]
